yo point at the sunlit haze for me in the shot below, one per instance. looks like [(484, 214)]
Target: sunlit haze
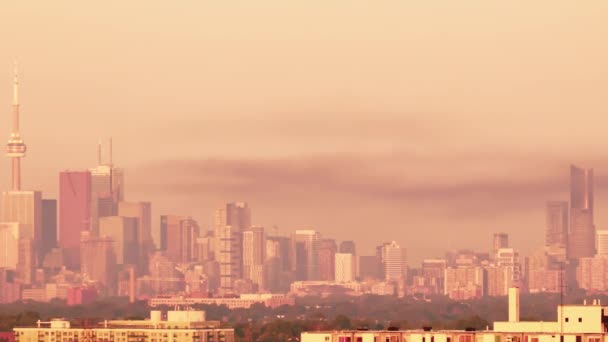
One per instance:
[(431, 123)]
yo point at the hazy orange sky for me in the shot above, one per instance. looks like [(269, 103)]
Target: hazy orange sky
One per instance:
[(433, 123)]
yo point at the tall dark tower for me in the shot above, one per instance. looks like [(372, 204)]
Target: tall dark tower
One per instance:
[(581, 235), (15, 149)]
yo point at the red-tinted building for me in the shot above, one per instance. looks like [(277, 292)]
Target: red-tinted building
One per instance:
[(7, 336), (81, 295), (74, 213), (327, 259)]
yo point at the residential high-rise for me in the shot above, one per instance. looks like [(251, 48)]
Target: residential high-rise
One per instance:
[(464, 282), (305, 247), (501, 240), (123, 231), (15, 149), (74, 213), (254, 254), (327, 259), (9, 245), (592, 273), (230, 222), (107, 181), (394, 262), (508, 258), (25, 208), (581, 237), (141, 211), (345, 267), (49, 227), (178, 238), (601, 242)]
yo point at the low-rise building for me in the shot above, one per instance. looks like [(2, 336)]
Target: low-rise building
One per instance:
[(244, 301), (575, 323), (179, 326)]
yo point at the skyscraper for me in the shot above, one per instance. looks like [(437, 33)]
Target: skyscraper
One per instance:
[(9, 245), (230, 222), (254, 254), (581, 237), (141, 211), (501, 240), (178, 238), (123, 231), (394, 262), (25, 208), (305, 247), (49, 227), (98, 260), (74, 213), (556, 233), (327, 259), (107, 181)]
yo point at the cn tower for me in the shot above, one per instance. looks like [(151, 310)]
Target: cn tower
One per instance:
[(15, 148)]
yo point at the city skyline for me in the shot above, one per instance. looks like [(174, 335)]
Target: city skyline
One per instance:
[(316, 117)]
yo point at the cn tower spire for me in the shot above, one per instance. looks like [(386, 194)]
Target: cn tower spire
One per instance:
[(15, 149)]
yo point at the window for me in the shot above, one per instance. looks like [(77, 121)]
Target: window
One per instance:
[(360, 339), (580, 319), (326, 338), (567, 319)]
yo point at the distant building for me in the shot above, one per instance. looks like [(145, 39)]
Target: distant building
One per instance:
[(601, 242), (243, 301), (9, 244), (581, 237), (369, 267), (433, 272), (81, 295), (501, 240), (123, 231), (142, 212), (178, 238), (348, 247), (25, 208), (394, 261), (230, 222), (74, 213), (327, 259), (254, 254), (540, 280), (556, 232), (464, 282), (49, 227), (305, 251), (98, 260), (593, 273), (509, 258), (345, 268), (106, 182), (26, 264)]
